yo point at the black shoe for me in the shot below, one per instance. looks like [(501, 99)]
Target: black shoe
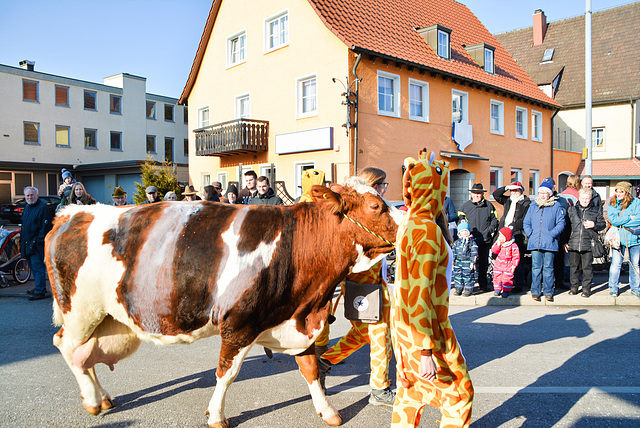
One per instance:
[(31, 291), (548, 298), (535, 297), (457, 291), (38, 296)]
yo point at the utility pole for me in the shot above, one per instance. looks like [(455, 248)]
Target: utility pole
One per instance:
[(588, 163)]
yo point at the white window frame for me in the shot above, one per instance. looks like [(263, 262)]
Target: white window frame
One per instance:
[(524, 135), (594, 146), (224, 180), (464, 97), (499, 180), (238, 106), (447, 54), (518, 172), (490, 64), (424, 86), (300, 81), (263, 171), (500, 105), (201, 122), (297, 178), (241, 38), (395, 79), (206, 179), (536, 125), (533, 190), (267, 31)]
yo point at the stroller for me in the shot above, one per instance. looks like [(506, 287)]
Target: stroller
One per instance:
[(11, 262)]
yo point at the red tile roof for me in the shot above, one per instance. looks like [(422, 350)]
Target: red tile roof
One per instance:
[(387, 28), (615, 168)]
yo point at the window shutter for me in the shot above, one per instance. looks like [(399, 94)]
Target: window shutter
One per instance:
[(30, 90), (62, 95)]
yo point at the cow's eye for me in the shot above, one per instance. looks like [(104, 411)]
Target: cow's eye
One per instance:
[(375, 206), (439, 170)]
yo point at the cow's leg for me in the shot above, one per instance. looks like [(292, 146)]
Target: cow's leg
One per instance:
[(231, 359), (308, 365), (107, 402)]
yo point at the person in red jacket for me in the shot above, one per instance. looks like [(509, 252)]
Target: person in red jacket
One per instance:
[(506, 262)]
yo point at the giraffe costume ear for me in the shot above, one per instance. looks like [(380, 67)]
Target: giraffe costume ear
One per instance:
[(409, 163)]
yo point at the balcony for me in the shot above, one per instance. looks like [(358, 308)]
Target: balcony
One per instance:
[(232, 138)]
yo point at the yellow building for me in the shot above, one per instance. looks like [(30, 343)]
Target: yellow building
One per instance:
[(339, 86)]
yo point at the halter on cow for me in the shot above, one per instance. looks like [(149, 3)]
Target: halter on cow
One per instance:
[(178, 272)]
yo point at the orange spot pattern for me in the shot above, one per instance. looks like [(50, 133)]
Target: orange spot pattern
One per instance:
[(420, 312)]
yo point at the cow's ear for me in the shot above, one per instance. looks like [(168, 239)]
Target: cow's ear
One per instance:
[(324, 195)]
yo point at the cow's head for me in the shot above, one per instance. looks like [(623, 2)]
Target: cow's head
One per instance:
[(371, 222)]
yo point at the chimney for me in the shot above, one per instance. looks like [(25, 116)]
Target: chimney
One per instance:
[(539, 27), (27, 65)]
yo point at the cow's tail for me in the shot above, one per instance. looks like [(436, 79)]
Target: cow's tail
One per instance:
[(57, 314)]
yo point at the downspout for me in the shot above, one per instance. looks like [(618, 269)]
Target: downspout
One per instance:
[(634, 152), (355, 115), (552, 134)]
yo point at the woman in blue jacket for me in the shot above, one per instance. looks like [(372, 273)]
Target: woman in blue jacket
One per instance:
[(624, 212), (543, 223)]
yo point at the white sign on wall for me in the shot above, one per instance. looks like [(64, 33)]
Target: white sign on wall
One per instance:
[(305, 141)]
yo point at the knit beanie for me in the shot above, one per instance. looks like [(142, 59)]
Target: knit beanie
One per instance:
[(506, 232), (231, 189), (65, 174), (625, 186), (463, 226), (546, 187)]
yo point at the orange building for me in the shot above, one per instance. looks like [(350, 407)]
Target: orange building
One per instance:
[(340, 86)]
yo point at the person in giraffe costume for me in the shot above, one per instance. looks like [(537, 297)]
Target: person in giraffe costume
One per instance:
[(430, 366)]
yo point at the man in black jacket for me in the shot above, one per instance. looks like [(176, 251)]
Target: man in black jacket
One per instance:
[(515, 206), (483, 222), (36, 223), (266, 195)]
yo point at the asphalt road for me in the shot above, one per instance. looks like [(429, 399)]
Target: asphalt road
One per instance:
[(531, 367)]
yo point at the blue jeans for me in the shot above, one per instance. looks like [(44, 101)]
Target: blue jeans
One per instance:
[(633, 254), (542, 272), (39, 273)]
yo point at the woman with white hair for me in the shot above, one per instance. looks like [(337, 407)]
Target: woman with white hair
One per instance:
[(543, 224)]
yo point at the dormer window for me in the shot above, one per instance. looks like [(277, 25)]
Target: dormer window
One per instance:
[(439, 38), (548, 55), (483, 55)]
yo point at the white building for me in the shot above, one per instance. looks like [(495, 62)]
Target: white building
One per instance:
[(102, 133)]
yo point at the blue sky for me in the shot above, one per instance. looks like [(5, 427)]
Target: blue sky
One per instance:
[(157, 39)]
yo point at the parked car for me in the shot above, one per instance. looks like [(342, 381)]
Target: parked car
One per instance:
[(13, 212)]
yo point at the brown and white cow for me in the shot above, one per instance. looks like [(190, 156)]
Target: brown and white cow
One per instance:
[(178, 272)]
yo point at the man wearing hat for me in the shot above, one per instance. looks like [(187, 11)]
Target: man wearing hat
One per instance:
[(190, 194), (119, 196), (515, 206), (483, 222), (152, 195)]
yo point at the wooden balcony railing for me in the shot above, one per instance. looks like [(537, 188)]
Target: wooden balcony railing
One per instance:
[(232, 138)]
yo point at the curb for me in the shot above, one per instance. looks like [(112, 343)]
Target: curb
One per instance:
[(488, 299)]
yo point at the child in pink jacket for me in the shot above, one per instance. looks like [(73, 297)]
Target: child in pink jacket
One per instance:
[(506, 262)]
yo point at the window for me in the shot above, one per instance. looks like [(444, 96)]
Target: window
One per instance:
[(62, 136), (516, 175), (548, 55), (116, 141), (151, 110), (115, 106), (497, 117), (90, 100), (307, 96), (29, 91), (418, 100), (276, 31), (388, 94), (299, 168), (236, 49), (186, 147), (536, 126), (62, 96), (243, 107), (443, 44), (151, 144), (206, 179), (168, 113), (495, 179), (459, 106), (521, 122), (534, 179), (22, 180), (185, 115), (203, 117), (168, 149), (488, 61), (597, 139), (31, 133), (222, 178), (90, 139), (269, 171)]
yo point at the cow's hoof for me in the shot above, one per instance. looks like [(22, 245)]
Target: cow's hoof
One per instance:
[(107, 403), (94, 410), (334, 420), (220, 424), (206, 412)]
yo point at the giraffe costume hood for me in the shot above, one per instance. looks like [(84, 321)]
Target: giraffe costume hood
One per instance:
[(420, 311)]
